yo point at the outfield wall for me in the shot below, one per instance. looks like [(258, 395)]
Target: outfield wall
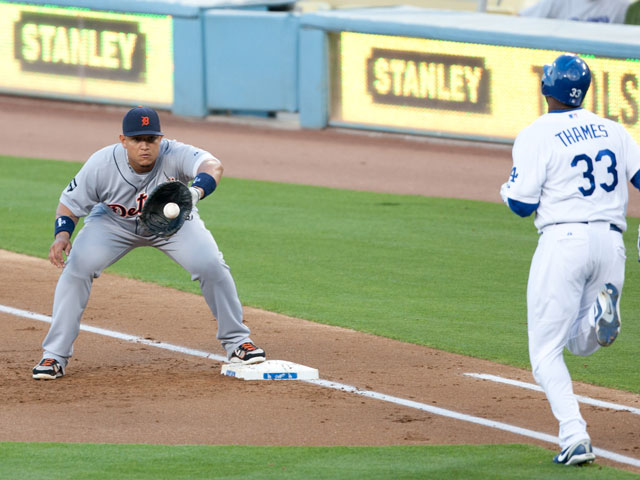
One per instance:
[(405, 69), (457, 74), (124, 52)]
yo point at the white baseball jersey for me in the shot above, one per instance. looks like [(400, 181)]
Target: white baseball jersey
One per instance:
[(576, 165), (107, 180), (604, 11)]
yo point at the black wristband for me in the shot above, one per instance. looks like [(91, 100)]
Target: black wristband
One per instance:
[(64, 224), (206, 182)]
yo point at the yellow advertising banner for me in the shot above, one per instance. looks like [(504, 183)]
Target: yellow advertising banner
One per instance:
[(462, 89), (85, 53)]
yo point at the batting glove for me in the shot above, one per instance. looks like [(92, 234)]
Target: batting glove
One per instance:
[(504, 193), (195, 195)]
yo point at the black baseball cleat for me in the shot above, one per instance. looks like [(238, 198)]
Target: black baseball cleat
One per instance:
[(247, 353), (607, 315), (576, 454), (48, 369)]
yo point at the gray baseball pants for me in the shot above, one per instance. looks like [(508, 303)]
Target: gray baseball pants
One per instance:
[(103, 240)]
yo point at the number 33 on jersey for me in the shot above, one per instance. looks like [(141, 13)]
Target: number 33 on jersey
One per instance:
[(569, 167)]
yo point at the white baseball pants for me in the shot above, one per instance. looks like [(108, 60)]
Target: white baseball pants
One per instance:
[(571, 264)]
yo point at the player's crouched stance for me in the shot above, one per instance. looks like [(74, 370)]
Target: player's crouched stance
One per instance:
[(110, 190), (572, 167)]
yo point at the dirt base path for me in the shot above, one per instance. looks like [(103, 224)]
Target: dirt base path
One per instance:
[(120, 392)]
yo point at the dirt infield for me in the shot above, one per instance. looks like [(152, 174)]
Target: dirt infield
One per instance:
[(122, 392)]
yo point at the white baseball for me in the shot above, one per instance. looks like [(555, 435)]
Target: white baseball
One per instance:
[(171, 210)]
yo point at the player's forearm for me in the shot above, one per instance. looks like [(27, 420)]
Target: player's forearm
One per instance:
[(213, 168), (63, 211), (65, 223), (207, 178)]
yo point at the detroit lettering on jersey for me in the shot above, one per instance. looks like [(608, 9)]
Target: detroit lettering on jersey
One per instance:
[(108, 183), (123, 211), (577, 134)]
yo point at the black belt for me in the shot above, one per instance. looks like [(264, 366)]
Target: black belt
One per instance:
[(612, 226)]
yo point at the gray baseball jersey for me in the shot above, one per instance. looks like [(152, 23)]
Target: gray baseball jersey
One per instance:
[(111, 195), (107, 180)]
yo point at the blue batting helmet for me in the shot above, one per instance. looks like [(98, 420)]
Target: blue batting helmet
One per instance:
[(567, 80)]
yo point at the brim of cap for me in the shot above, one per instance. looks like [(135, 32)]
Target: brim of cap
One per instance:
[(142, 132)]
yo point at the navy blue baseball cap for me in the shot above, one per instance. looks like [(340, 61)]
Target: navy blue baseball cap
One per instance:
[(141, 121)]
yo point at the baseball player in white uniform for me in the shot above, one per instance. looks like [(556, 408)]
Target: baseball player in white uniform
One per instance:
[(571, 167), (110, 190), (601, 11)]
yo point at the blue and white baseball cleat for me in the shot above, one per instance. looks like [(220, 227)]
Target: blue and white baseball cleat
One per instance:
[(607, 315), (576, 454)]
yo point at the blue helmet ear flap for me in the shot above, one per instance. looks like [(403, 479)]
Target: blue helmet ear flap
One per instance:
[(546, 80), (567, 80)]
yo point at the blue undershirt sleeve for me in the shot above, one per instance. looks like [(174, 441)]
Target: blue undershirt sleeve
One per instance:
[(635, 181), (521, 208)]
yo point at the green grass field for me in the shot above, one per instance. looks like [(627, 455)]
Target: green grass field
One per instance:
[(448, 274), (23, 461)]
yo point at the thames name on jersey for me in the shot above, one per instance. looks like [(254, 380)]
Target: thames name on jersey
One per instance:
[(583, 132)]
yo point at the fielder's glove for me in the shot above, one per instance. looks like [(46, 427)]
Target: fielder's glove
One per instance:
[(153, 217)]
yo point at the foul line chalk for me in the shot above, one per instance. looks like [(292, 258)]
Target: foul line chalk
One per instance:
[(531, 386), (338, 386), (471, 419), (121, 336)]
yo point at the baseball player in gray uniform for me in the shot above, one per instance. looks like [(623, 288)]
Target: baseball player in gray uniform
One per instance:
[(110, 190), (572, 167)]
